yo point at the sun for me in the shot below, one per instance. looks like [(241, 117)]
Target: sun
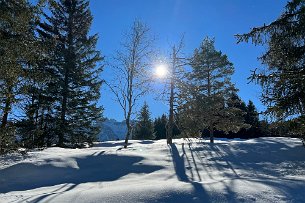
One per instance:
[(161, 71)]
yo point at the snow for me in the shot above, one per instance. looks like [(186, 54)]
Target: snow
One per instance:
[(190, 170), (112, 130)]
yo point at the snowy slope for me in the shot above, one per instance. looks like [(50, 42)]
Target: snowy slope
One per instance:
[(112, 130), (258, 170)]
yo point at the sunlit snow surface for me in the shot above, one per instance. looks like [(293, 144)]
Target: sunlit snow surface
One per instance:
[(258, 170)]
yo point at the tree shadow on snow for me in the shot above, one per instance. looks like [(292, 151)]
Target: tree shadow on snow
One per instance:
[(146, 142), (200, 194), (119, 143), (27, 176), (269, 162)]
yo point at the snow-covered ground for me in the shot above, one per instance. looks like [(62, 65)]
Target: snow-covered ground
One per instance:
[(258, 170)]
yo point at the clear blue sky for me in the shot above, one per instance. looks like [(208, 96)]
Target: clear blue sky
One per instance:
[(169, 19)]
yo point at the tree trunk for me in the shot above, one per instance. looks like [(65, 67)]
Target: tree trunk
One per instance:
[(171, 116), (128, 132), (169, 137), (7, 108), (4, 119), (5, 113), (126, 139), (211, 135), (63, 111)]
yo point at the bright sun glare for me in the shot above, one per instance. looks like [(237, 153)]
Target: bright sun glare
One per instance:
[(161, 71)]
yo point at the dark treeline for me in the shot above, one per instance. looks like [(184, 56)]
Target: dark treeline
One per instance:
[(147, 129), (49, 74)]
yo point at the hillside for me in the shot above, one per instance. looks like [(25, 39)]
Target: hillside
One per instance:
[(112, 130), (258, 170)]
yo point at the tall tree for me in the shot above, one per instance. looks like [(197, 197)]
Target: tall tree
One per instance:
[(37, 128), (208, 103), (283, 81), (77, 70), (17, 49), (131, 80), (144, 129), (177, 63)]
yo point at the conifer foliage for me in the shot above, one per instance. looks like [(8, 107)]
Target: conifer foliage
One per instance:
[(208, 104), (283, 81), (49, 73), (17, 49), (76, 70), (144, 129), (160, 127)]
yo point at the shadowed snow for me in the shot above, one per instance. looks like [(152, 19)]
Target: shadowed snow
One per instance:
[(258, 170)]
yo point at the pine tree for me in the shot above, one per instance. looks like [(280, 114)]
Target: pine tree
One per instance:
[(236, 101), (38, 126), (160, 127), (283, 82), (144, 127), (17, 50), (251, 116), (207, 98), (77, 74)]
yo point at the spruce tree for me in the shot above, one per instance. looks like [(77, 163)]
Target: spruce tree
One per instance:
[(38, 127), (236, 102), (160, 127), (207, 97), (251, 116), (77, 73), (283, 83), (17, 50), (144, 128)]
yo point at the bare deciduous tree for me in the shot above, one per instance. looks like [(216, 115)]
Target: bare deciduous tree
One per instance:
[(176, 73), (131, 71)]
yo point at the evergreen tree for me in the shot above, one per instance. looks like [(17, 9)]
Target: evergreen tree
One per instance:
[(17, 50), (251, 116), (252, 119), (160, 127), (207, 98), (77, 74), (38, 126), (236, 101), (144, 128), (283, 81)]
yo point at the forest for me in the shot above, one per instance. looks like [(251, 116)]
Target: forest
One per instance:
[(51, 80)]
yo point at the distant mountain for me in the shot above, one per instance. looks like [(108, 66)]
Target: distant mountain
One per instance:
[(112, 130)]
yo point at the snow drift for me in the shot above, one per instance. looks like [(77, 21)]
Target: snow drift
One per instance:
[(193, 170)]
